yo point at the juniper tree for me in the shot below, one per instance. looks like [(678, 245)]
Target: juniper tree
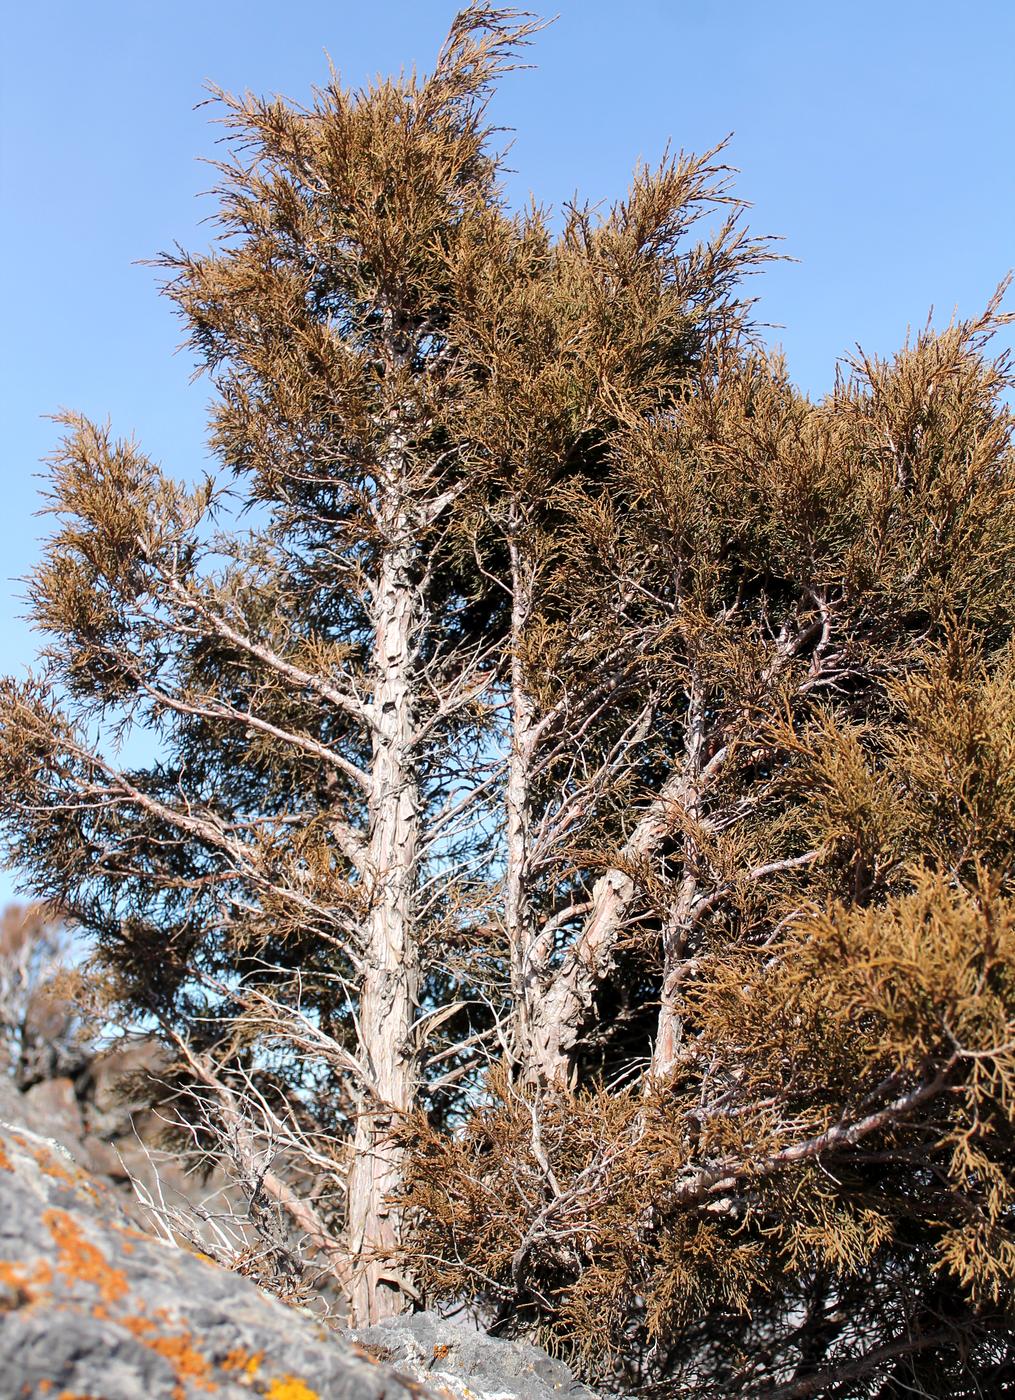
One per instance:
[(749, 557), (578, 699), (765, 1146), (408, 379), (568, 338), (271, 888)]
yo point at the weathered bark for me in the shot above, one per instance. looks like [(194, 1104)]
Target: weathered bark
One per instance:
[(519, 912), (670, 1024), (389, 992), (567, 1001), (677, 930)]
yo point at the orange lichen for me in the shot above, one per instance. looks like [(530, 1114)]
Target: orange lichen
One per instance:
[(17, 1276), (178, 1349), (290, 1388), (440, 1351), (128, 1232), (25, 1285), (5, 1162), (80, 1260), (239, 1360), (188, 1364), (49, 1166), (139, 1327)]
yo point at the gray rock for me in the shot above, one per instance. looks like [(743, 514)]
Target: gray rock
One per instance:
[(465, 1364), (92, 1307), (104, 1119), (10, 1100), (52, 1106), (117, 1085)]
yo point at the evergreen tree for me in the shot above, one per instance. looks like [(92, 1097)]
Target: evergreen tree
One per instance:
[(764, 1144), (579, 831), (267, 889)]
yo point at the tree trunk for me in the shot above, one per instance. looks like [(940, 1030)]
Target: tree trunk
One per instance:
[(670, 1026), (519, 914), (389, 991), (567, 1002), (557, 1016)]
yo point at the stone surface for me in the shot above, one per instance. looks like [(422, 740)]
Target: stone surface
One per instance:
[(459, 1361), (54, 1104), (94, 1309), (103, 1116), (117, 1085)]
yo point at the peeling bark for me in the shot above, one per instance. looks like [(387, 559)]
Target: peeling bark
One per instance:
[(390, 985), (519, 912), (566, 1003), (670, 1026)]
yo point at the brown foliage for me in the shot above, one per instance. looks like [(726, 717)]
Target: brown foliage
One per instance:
[(582, 703), (845, 1112)]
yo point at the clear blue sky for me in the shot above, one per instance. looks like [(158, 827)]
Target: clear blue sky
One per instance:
[(876, 138)]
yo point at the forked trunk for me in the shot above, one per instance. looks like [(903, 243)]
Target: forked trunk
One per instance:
[(557, 1016)]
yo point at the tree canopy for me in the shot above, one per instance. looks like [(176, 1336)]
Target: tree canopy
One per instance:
[(576, 825)]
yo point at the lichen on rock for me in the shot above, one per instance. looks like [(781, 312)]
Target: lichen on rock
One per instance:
[(90, 1306)]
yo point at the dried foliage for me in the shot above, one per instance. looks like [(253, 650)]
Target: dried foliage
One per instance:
[(256, 1219), (779, 1160), (822, 1190), (575, 821)]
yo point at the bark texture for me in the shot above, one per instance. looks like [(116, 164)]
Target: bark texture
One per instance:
[(390, 985)]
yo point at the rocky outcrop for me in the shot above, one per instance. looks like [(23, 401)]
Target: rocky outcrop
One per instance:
[(467, 1364), (94, 1307), (104, 1112), (109, 1104), (91, 1308)]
